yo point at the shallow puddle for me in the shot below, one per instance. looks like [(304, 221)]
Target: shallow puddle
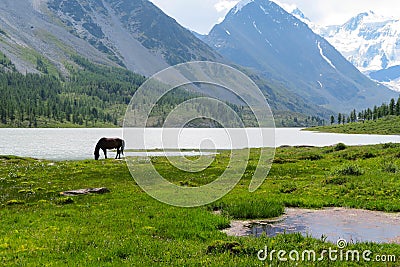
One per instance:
[(331, 224)]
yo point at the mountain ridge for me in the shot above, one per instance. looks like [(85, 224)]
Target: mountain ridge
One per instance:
[(100, 30), (263, 36)]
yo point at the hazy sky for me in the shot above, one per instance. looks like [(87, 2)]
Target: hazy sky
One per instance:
[(201, 15)]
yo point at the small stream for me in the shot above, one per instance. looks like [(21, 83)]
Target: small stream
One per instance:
[(330, 224)]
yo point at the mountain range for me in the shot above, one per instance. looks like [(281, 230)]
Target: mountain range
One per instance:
[(135, 35), (371, 42), (261, 35), (298, 71)]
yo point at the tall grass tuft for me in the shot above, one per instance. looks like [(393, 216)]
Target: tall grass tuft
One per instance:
[(253, 209)]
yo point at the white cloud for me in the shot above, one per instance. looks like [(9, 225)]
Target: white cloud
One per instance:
[(288, 7), (225, 5)]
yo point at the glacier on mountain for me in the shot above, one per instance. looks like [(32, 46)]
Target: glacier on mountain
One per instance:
[(371, 42)]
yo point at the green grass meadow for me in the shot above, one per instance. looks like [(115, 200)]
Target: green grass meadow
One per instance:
[(126, 227)]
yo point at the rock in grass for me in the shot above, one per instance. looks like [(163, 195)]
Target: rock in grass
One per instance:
[(87, 191)]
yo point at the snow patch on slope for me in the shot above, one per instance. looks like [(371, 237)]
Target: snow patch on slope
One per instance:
[(255, 26), (325, 57)]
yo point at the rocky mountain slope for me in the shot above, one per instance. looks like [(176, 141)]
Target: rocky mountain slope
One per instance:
[(134, 34)]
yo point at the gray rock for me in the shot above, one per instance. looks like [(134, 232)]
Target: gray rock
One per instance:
[(87, 191)]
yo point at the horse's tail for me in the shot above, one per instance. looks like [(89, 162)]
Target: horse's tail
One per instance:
[(123, 147)]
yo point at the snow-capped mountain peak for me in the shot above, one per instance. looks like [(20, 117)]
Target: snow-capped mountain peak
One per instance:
[(355, 22), (364, 18), (263, 36), (240, 5), (299, 14), (368, 40)]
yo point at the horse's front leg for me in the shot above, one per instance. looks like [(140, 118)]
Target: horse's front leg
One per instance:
[(105, 152)]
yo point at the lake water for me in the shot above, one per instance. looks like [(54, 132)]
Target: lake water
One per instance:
[(353, 225), (77, 144)]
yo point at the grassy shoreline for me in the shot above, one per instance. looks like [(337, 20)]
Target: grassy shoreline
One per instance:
[(127, 227), (389, 125)]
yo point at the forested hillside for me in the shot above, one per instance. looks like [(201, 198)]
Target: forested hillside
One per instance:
[(91, 96)]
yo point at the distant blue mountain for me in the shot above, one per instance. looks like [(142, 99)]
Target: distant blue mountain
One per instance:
[(261, 35)]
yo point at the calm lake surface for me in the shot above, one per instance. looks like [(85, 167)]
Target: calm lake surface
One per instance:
[(77, 144)]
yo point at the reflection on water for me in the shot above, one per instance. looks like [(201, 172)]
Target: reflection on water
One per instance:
[(334, 224), (272, 229)]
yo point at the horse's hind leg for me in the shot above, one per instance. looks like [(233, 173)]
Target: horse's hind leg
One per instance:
[(105, 153), (118, 153)]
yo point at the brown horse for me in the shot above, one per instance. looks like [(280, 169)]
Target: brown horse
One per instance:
[(109, 143)]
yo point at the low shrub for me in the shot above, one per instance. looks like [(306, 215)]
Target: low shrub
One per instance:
[(351, 169), (312, 157), (340, 147), (390, 145), (390, 166), (288, 188), (368, 155)]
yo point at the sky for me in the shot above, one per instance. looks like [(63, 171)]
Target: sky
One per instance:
[(202, 15)]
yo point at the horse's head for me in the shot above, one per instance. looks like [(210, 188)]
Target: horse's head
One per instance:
[(96, 155)]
